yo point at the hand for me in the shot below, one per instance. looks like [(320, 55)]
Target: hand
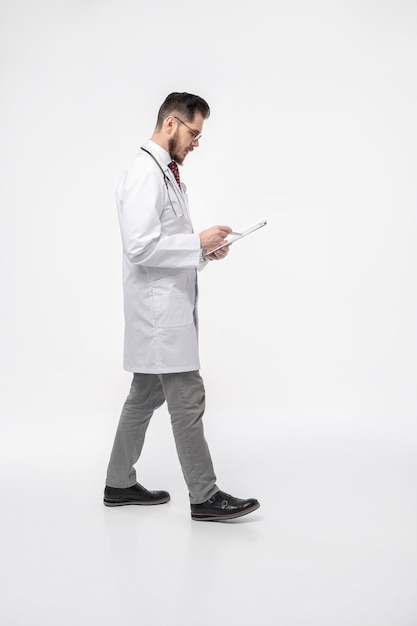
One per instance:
[(214, 236), (218, 255)]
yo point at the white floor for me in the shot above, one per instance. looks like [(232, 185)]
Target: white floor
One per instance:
[(333, 544)]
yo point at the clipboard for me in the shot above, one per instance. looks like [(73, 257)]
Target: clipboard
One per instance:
[(232, 237)]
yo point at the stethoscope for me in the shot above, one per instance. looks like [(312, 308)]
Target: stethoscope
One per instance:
[(169, 184)]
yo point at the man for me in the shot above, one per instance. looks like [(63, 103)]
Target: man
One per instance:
[(161, 256)]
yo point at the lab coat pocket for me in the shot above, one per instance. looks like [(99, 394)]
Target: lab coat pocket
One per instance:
[(171, 311)]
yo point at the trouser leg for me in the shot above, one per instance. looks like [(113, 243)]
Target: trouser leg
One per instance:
[(145, 396), (185, 396)]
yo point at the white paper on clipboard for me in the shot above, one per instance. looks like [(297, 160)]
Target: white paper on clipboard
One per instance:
[(236, 236)]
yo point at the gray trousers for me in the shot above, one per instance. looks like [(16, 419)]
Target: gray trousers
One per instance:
[(185, 397)]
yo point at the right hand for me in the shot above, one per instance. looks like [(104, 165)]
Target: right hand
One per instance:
[(214, 236)]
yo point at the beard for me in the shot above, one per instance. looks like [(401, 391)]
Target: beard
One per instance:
[(173, 149)]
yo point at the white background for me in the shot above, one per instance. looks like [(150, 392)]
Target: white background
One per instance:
[(310, 325)]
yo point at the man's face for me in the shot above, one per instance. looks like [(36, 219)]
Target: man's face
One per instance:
[(185, 138)]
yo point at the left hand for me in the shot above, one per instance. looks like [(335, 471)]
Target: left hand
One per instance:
[(219, 254)]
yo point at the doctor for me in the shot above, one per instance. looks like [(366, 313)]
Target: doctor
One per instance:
[(161, 257)]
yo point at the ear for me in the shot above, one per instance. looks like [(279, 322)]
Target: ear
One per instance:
[(170, 124)]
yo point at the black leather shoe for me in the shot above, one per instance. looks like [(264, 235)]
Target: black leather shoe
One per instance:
[(113, 496), (222, 506)]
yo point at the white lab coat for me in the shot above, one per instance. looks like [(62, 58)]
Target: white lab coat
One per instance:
[(161, 255)]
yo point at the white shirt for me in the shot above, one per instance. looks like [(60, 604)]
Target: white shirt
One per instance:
[(161, 254)]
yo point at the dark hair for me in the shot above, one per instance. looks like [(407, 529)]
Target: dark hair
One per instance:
[(186, 105)]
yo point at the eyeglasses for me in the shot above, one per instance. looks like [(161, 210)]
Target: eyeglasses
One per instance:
[(195, 133)]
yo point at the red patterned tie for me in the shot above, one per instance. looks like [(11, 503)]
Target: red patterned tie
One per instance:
[(174, 169)]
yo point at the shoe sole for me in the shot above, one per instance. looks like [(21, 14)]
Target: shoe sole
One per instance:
[(110, 502), (202, 517)]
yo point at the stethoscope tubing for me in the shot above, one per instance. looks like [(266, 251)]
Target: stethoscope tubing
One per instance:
[(168, 182)]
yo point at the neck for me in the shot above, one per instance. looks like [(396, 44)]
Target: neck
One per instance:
[(160, 140)]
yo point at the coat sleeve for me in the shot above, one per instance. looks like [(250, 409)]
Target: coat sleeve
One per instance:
[(146, 241)]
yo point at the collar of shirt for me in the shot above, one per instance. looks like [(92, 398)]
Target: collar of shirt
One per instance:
[(159, 153), (163, 158)]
